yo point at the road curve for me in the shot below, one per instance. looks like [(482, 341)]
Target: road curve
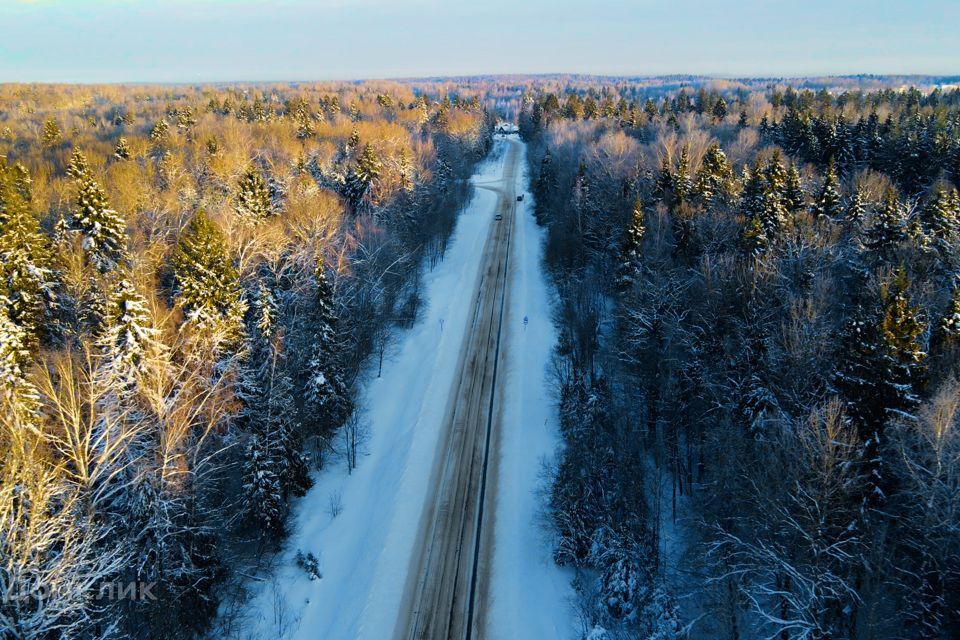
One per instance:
[(445, 585)]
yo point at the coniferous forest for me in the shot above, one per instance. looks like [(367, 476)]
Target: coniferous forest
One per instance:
[(755, 286)]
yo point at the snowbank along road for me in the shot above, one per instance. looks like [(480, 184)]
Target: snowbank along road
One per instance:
[(448, 572)]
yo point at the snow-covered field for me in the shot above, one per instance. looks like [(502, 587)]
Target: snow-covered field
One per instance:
[(364, 550)]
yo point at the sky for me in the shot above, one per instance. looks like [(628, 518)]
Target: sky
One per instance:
[(248, 40)]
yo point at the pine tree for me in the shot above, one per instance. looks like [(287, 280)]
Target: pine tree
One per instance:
[(888, 230), (121, 151), (775, 174), (263, 502), (104, 231), (253, 197), (326, 393), (78, 166), (207, 285), (14, 354), (51, 135), (742, 122), (405, 170), (630, 252), (828, 204), (650, 108)]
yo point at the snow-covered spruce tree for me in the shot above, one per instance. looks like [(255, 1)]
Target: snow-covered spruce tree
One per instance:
[(947, 334), (940, 215), (754, 185), (362, 177), (888, 230), (274, 465), (253, 197), (160, 132), (630, 251), (122, 150), (129, 341), (26, 262), (856, 207), (827, 204), (715, 178), (327, 400), (682, 183), (14, 354), (794, 197), (881, 371), (78, 167), (104, 231), (753, 239), (720, 110), (207, 286), (51, 136)]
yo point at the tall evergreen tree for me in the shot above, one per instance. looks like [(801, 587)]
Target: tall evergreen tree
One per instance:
[(51, 135), (856, 207), (275, 467), (78, 167), (881, 372), (326, 392), (941, 214), (26, 262), (121, 151), (630, 251), (794, 197), (682, 184), (366, 170), (129, 340), (828, 204), (207, 285), (888, 230), (715, 178), (104, 231), (720, 110), (253, 203)]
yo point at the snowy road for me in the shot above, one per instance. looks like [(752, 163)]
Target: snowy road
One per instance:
[(444, 580), (397, 539)]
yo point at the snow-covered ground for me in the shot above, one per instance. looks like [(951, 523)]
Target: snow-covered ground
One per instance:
[(364, 550)]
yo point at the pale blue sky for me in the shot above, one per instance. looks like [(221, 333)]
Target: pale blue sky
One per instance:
[(228, 40)]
